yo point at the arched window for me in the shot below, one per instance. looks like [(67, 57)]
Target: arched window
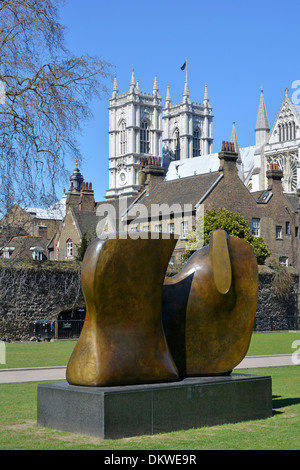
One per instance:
[(280, 132), (196, 143), (144, 138), (123, 137), (293, 136), (177, 144), (69, 248)]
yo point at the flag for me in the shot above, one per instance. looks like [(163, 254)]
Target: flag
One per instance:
[(183, 66)]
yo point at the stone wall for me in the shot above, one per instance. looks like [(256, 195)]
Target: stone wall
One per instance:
[(43, 291), (34, 292), (274, 313)]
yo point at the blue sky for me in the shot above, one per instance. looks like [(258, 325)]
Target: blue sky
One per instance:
[(236, 46)]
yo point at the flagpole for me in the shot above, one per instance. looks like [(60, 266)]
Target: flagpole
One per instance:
[(186, 75)]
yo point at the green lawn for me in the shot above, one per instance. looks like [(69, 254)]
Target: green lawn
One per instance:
[(58, 353), (18, 429)]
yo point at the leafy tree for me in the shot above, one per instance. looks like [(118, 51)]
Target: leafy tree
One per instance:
[(82, 247), (234, 224), (45, 92)]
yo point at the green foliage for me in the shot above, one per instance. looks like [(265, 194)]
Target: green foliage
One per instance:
[(234, 224), (82, 247), (282, 281)]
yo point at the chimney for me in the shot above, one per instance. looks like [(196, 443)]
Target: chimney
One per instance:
[(228, 157), (40, 231), (151, 173), (274, 176), (87, 201)]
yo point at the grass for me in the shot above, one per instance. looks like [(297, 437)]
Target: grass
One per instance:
[(58, 353), (18, 429)]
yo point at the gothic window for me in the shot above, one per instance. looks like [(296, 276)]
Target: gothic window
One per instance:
[(123, 138), (144, 138), (69, 248), (177, 144), (293, 130), (286, 131), (196, 143), (280, 132)]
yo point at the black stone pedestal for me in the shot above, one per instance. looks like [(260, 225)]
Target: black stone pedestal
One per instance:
[(117, 412)]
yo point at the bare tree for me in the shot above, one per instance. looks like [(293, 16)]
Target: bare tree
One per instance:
[(44, 99)]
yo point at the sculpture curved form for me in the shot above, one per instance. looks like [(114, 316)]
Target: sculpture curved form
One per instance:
[(209, 307), (122, 341)]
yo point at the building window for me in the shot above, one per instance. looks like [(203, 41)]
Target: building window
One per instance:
[(256, 227), (196, 143), (37, 255), (146, 228), (158, 228), (171, 228), (184, 229), (144, 138), (283, 260), (296, 232), (123, 138), (69, 248), (172, 260), (286, 131), (287, 228), (177, 144), (278, 232)]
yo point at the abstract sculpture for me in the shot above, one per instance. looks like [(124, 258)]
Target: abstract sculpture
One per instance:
[(141, 327), (122, 340), (209, 307)]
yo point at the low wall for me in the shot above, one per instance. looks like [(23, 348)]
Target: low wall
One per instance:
[(35, 292), (274, 313), (43, 291)]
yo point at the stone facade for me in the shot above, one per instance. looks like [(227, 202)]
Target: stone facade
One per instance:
[(139, 127)]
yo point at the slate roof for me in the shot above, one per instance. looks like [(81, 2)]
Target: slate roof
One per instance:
[(87, 221), (181, 191), (55, 212)]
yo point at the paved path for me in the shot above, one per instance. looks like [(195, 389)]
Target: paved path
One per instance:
[(40, 374)]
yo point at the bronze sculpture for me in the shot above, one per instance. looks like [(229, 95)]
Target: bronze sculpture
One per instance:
[(141, 327), (209, 307), (122, 341)]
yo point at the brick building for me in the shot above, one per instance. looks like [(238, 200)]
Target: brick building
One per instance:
[(270, 213)]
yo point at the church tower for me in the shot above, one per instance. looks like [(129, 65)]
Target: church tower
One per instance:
[(135, 132), (187, 127)]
